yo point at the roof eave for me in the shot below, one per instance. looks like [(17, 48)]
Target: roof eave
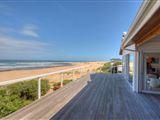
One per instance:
[(147, 7)]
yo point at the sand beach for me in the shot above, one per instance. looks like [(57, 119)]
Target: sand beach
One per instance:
[(15, 74)]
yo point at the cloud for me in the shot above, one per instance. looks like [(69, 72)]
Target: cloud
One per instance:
[(13, 48), (30, 30), (6, 30), (27, 30)]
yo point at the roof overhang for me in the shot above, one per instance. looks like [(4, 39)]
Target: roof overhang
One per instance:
[(146, 21)]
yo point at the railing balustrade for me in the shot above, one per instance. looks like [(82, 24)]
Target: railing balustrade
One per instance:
[(39, 77)]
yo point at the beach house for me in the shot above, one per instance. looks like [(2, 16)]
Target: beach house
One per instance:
[(92, 93), (140, 49)]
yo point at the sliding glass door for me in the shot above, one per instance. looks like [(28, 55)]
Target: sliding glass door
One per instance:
[(151, 72)]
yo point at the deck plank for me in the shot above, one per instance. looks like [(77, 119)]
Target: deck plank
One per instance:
[(110, 97)]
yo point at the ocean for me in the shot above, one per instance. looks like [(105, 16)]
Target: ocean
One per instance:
[(7, 65)]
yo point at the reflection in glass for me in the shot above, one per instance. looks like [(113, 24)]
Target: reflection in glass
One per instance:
[(152, 81), (131, 68)]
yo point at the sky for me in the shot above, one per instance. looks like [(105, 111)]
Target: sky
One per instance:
[(89, 30)]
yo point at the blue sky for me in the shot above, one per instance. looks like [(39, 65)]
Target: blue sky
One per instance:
[(64, 30)]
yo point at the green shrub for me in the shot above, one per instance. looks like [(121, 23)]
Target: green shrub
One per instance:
[(67, 81), (16, 96), (9, 104), (44, 87), (58, 84), (117, 63), (106, 68), (28, 89)]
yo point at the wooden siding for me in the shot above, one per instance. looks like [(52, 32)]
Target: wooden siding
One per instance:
[(152, 46), (147, 37), (150, 30)]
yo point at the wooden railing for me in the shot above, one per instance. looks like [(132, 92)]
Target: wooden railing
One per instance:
[(39, 77)]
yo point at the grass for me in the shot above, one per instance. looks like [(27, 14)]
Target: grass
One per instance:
[(18, 95)]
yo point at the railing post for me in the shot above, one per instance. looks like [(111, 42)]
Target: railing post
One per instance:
[(62, 79), (39, 88), (73, 75)]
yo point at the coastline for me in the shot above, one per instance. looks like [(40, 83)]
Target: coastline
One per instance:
[(32, 68), (15, 74), (29, 65)]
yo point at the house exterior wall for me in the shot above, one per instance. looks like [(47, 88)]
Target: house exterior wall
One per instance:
[(150, 47), (144, 35), (153, 46)]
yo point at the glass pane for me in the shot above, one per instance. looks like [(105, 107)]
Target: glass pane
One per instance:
[(152, 76), (131, 68)]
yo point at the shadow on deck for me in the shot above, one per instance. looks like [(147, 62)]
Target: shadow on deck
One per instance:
[(95, 97), (110, 97)]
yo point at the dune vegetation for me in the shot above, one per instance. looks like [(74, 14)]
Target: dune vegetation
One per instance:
[(18, 95)]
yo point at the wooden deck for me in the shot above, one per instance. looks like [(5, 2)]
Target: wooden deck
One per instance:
[(49, 105), (106, 97), (110, 97)]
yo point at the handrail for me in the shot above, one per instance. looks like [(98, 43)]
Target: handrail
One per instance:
[(38, 76)]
